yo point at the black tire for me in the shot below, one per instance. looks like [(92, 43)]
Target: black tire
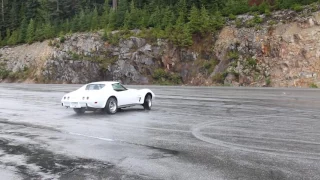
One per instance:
[(111, 106), (79, 110), (147, 102)]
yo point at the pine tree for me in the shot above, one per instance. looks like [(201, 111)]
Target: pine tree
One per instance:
[(105, 14), (13, 38), (194, 20), (168, 18), (75, 24), (39, 33), (206, 25), (182, 10), (23, 31), (155, 18), (127, 22), (48, 31), (30, 32), (14, 19), (8, 34), (112, 20), (121, 12), (95, 20)]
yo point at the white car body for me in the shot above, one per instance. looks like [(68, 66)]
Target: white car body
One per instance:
[(95, 95)]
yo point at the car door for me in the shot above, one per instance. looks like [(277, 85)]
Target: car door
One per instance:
[(124, 96)]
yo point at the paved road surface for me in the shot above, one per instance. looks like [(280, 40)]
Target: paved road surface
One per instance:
[(191, 133)]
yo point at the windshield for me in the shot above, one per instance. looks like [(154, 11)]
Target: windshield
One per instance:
[(94, 87), (118, 87)]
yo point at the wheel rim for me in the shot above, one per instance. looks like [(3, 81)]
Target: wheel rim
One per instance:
[(113, 106)]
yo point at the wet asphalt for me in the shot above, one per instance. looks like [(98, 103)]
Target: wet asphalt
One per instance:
[(191, 133)]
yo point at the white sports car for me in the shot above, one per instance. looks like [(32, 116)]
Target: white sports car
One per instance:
[(107, 95)]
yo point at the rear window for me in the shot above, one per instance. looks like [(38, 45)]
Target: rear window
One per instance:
[(94, 86)]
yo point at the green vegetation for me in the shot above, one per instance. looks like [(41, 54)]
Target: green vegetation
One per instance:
[(27, 21), (297, 7), (268, 81), (233, 55), (313, 85), (251, 62), (210, 65), (3, 72), (219, 77), (165, 78)]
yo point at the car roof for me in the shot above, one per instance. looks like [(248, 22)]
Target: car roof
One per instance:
[(104, 82)]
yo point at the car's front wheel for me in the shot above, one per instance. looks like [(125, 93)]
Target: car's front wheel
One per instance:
[(79, 110), (147, 102), (111, 105)]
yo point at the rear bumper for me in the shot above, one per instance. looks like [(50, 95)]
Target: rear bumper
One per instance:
[(83, 104)]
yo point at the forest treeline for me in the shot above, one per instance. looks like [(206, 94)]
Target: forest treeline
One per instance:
[(26, 21)]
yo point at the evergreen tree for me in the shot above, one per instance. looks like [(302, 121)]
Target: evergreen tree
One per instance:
[(194, 20), (30, 32), (23, 31), (95, 20), (121, 12), (182, 10), (205, 25), (14, 19), (48, 31), (13, 38), (168, 18), (105, 14), (112, 20)]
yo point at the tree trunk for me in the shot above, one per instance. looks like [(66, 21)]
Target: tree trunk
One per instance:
[(114, 4)]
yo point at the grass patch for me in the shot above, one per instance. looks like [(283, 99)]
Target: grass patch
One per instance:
[(233, 55)]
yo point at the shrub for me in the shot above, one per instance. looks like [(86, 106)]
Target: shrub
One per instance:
[(267, 12), (257, 19), (219, 78), (164, 78), (238, 23), (297, 7), (113, 39), (175, 79), (313, 85), (252, 62), (233, 55), (232, 17), (62, 39), (210, 65), (268, 81), (158, 74), (4, 73)]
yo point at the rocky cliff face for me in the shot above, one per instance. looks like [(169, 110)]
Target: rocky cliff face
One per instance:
[(280, 50)]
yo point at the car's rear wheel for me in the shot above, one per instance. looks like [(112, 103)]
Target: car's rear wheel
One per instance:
[(111, 105), (147, 102), (79, 110)]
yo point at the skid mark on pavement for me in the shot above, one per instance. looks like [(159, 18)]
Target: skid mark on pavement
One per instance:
[(196, 132)]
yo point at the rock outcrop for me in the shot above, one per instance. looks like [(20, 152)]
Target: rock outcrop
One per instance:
[(282, 50)]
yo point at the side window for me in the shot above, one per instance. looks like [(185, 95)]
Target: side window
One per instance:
[(94, 87), (118, 87)]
